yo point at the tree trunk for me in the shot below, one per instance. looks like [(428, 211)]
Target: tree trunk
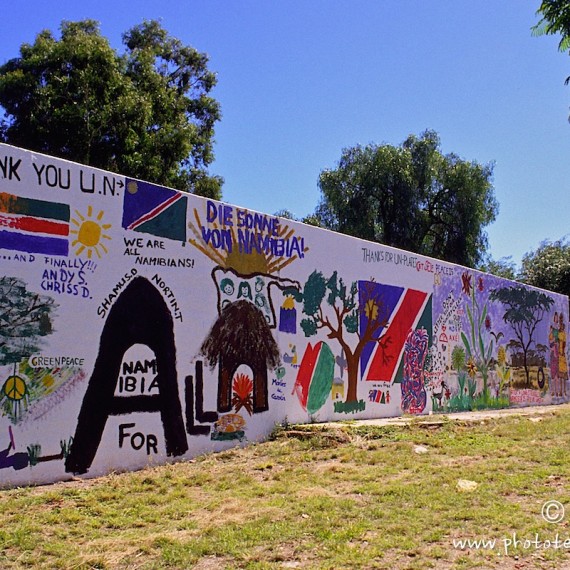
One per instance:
[(526, 370), (352, 371)]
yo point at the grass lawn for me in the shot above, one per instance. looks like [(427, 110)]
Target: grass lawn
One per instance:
[(344, 496)]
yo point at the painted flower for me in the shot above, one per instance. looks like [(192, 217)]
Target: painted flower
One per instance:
[(480, 284), (488, 322), (471, 367), (466, 283)]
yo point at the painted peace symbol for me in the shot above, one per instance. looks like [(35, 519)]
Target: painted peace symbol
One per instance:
[(14, 388)]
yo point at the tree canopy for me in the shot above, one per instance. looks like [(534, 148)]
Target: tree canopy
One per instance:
[(411, 196), (555, 19), (146, 113), (504, 267), (548, 267)]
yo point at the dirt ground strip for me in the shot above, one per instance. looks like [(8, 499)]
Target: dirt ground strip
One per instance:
[(461, 417)]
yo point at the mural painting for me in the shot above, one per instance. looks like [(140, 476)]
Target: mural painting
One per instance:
[(143, 325)]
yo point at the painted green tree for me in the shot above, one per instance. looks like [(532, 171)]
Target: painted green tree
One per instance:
[(525, 309), (25, 317), (332, 306)]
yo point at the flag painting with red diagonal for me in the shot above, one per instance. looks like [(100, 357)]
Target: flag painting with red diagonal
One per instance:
[(154, 210), (403, 308)]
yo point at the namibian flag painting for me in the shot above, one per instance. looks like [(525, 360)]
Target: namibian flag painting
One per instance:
[(154, 210), (33, 226), (404, 310)]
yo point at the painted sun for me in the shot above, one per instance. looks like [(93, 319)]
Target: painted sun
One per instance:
[(90, 233)]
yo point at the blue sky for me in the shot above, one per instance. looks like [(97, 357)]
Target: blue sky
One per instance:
[(300, 80)]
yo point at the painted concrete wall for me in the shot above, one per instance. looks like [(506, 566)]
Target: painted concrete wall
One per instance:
[(142, 325)]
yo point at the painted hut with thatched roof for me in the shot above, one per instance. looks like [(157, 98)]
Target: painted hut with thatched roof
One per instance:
[(241, 336)]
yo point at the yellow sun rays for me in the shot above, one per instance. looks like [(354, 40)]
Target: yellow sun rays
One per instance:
[(253, 262), (89, 233)]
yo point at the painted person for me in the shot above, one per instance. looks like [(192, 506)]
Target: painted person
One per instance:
[(245, 291), (227, 286), (562, 362), (260, 301), (554, 357)]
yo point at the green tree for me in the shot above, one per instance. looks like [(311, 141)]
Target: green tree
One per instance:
[(504, 267), (310, 219), (287, 214), (146, 113), (555, 19), (411, 196), (548, 267), (525, 309)]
